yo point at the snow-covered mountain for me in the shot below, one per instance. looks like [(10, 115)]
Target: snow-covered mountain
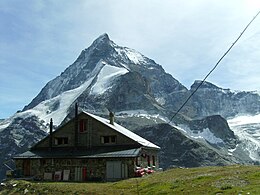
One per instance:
[(247, 128), (96, 81), (106, 76)]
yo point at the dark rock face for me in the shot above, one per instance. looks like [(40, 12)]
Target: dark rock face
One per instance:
[(178, 150), (212, 100), (132, 94), (218, 126), (24, 131)]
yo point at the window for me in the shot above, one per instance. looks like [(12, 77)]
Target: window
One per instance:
[(61, 140), (83, 124), (113, 139), (108, 139)]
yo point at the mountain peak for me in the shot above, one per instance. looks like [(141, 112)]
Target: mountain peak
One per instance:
[(103, 37), (206, 84), (102, 40)]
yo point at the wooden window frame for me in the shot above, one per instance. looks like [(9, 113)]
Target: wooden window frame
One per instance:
[(60, 141), (108, 139)]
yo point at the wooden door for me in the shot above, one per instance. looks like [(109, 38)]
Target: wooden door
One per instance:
[(27, 167)]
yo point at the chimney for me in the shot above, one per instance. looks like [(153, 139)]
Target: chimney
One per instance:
[(51, 137), (76, 125), (111, 118)]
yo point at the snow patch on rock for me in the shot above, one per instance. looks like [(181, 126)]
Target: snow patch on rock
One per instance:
[(131, 54), (205, 134), (4, 124), (43, 110), (141, 114), (105, 77), (160, 100)]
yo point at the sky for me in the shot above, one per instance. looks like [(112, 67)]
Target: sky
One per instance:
[(39, 39)]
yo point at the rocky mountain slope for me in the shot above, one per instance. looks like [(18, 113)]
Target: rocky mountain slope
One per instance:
[(177, 150), (224, 102), (106, 76)]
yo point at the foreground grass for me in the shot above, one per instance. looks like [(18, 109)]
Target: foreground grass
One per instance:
[(206, 180)]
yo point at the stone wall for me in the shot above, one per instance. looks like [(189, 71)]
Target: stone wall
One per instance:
[(94, 169), (148, 155)]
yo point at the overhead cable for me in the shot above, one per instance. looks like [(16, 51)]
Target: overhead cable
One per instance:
[(214, 67)]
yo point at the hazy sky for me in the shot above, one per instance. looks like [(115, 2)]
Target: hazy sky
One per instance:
[(40, 38)]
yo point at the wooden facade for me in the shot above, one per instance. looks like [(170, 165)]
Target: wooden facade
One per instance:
[(88, 148)]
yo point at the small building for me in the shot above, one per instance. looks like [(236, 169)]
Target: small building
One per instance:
[(88, 148)]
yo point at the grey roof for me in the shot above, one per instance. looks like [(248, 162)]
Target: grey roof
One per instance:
[(97, 153), (124, 131)]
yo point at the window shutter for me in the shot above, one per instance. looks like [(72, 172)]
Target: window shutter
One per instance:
[(83, 124)]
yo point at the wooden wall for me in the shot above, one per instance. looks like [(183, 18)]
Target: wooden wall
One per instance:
[(89, 138)]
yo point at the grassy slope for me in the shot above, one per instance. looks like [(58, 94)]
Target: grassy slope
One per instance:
[(206, 180)]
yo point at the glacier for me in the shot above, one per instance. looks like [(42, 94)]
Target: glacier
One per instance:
[(247, 129)]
